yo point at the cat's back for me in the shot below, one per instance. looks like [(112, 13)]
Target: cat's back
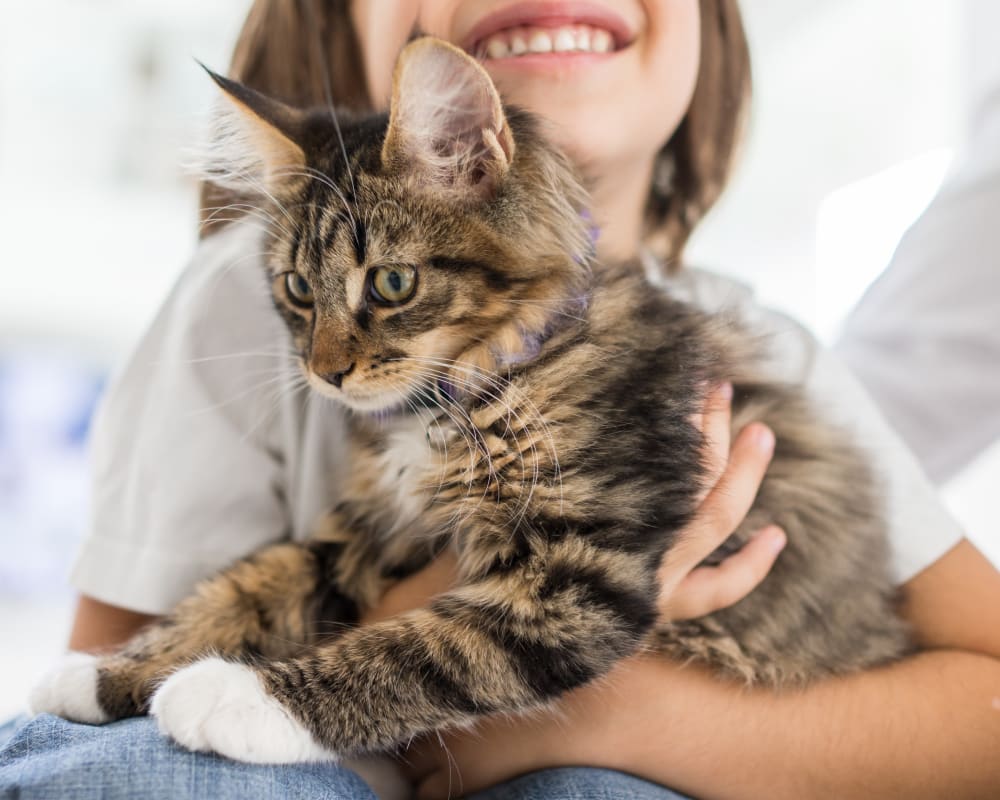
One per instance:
[(828, 605)]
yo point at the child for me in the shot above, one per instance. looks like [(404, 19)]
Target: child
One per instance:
[(205, 451)]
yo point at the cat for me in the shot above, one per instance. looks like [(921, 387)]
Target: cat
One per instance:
[(513, 399)]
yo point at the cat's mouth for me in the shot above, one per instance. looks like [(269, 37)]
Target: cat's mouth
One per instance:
[(375, 403), (385, 403), (367, 402)]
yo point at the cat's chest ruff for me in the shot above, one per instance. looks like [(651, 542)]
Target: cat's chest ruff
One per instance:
[(404, 463)]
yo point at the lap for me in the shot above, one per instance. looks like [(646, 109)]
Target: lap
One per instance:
[(577, 783), (48, 758)]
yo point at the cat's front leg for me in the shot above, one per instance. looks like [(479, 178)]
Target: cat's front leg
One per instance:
[(264, 605), (511, 641)]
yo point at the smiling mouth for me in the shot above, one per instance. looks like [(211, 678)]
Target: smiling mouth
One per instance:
[(538, 30), (519, 41)]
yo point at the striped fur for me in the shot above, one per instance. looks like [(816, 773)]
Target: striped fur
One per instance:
[(545, 435)]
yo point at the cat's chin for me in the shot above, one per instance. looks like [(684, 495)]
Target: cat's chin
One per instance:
[(376, 403), (383, 404)]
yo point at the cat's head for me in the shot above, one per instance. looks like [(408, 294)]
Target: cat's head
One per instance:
[(435, 244)]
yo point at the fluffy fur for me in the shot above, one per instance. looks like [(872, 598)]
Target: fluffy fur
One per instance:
[(526, 407)]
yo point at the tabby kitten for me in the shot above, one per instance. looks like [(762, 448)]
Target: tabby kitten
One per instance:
[(513, 401)]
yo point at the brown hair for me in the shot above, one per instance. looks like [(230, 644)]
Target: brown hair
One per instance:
[(293, 49)]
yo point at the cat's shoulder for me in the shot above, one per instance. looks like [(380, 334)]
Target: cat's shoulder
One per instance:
[(788, 348), (710, 291)]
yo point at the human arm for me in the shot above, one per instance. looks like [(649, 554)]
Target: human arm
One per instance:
[(687, 590), (928, 726), (98, 625), (676, 725)]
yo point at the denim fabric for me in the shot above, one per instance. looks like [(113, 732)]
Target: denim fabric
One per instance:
[(577, 783), (51, 759), (47, 758)]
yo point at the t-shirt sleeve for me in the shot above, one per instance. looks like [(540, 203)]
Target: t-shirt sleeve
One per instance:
[(186, 477)]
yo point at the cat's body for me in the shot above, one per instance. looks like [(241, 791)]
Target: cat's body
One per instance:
[(542, 427), (592, 447)]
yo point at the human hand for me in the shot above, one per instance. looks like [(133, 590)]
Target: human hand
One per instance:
[(416, 590), (576, 731), (688, 591)]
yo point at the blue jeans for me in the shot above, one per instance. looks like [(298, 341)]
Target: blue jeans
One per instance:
[(47, 758)]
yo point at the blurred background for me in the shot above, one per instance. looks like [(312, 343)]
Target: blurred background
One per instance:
[(860, 107)]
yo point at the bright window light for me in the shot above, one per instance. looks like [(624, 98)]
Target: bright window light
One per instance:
[(858, 227)]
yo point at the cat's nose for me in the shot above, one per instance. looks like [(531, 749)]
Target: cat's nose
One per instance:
[(337, 378)]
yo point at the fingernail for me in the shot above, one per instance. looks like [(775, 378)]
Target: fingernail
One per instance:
[(776, 539), (764, 438), (726, 391)]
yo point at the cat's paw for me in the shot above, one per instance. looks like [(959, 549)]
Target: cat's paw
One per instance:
[(69, 690), (222, 707)]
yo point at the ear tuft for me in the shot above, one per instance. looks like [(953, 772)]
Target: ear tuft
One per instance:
[(446, 121), (253, 144)]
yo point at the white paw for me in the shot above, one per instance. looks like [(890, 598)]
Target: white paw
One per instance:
[(218, 706), (69, 690)]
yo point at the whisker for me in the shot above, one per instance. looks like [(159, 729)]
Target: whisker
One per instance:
[(244, 210), (206, 359), (526, 424), (411, 404), (450, 413), (255, 184), (271, 381), (475, 445), (535, 415), (317, 41), (297, 383)]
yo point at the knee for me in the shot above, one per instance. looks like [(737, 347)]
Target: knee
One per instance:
[(578, 783), (51, 758)]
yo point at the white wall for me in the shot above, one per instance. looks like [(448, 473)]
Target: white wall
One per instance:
[(844, 89), (97, 101)]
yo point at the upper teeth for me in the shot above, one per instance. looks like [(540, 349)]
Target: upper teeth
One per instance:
[(566, 39)]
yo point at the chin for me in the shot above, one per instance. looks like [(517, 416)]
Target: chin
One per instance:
[(374, 404)]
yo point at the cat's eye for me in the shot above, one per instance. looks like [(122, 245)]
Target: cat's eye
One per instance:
[(298, 288), (394, 284)]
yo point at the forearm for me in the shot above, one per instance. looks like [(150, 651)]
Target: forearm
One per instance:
[(926, 727)]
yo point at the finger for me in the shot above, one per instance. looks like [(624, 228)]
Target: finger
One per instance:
[(715, 426), (442, 784), (415, 590), (421, 758), (434, 787), (726, 504), (708, 589)]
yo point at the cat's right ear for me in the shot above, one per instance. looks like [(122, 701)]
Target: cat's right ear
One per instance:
[(446, 121), (253, 140)]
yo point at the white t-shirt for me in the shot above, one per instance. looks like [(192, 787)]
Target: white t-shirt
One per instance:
[(207, 446)]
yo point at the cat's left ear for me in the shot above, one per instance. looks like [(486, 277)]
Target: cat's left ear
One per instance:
[(446, 121), (253, 139)]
